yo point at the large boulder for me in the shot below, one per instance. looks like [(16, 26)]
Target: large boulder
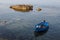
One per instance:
[(22, 7)]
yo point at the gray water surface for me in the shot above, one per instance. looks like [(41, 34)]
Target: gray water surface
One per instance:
[(20, 25)]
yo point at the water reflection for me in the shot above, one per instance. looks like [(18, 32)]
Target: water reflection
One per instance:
[(40, 33), (22, 10)]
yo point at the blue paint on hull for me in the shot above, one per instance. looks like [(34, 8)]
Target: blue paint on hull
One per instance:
[(46, 27)]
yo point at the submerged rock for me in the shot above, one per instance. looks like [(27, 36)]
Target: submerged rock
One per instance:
[(22, 8)]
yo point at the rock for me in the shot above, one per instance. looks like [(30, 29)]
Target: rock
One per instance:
[(22, 7), (38, 9)]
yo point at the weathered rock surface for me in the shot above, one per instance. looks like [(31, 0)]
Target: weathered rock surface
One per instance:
[(38, 9), (22, 8)]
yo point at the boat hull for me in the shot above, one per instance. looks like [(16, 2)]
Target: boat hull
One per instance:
[(37, 29)]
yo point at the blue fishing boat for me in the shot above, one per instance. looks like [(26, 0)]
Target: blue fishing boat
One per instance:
[(41, 27)]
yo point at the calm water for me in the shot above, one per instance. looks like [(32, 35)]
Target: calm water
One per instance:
[(20, 25)]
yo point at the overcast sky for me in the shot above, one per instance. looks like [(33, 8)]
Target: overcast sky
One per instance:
[(41, 2)]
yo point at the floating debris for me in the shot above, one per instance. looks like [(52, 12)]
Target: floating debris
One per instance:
[(3, 23), (23, 8)]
